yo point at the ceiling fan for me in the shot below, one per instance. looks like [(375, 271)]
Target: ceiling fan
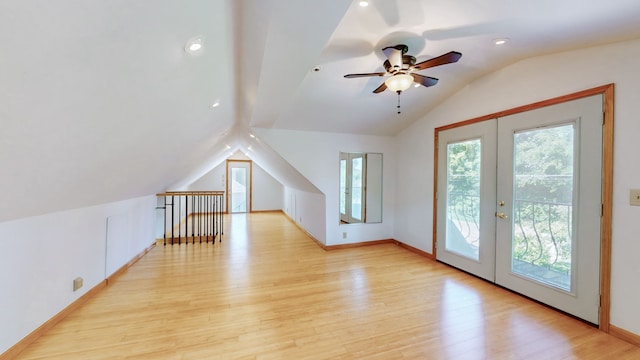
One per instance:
[(401, 69)]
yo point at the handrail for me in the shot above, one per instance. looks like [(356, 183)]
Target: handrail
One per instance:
[(203, 210), (169, 193)]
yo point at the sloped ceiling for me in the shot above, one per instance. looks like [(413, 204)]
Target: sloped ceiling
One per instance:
[(100, 102), (325, 101)]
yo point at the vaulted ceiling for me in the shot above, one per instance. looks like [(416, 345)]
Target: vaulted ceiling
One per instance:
[(100, 101)]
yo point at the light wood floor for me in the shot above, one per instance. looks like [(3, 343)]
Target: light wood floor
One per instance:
[(269, 292)]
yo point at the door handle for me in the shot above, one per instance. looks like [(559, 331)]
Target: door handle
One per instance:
[(501, 215)]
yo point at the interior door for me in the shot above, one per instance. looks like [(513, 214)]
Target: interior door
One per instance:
[(239, 186), (465, 198), (549, 202), (519, 203)]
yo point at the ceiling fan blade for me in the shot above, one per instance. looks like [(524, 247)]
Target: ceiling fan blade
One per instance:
[(394, 55), (424, 80), (380, 88), (351, 76), (450, 57)]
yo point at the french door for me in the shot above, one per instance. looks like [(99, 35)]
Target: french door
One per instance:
[(519, 203), (467, 181)]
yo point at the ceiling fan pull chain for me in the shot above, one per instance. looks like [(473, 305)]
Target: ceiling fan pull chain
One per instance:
[(399, 102)]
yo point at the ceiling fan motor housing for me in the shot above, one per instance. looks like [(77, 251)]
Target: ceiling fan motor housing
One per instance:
[(407, 62)]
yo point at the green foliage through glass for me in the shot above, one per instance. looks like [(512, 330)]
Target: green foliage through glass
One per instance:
[(543, 204)]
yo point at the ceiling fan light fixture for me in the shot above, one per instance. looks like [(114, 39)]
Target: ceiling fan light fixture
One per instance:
[(399, 82), (363, 3)]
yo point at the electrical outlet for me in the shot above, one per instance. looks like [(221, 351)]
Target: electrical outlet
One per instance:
[(634, 197), (77, 283), (344, 234)]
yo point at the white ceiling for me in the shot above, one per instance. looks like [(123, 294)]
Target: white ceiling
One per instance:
[(325, 101), (100, 102)]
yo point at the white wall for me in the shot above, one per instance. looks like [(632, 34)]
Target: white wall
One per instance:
[(307, 210), (214, 180), (523, 83), (316, 156), (267, 193), (40, 256)]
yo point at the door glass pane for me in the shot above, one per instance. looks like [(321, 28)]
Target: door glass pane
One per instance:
[(463, 198), (543, 205), (238, 190), (343, 187), (356, 188)]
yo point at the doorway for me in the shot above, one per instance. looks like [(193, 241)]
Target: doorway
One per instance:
[(520, 202), (239, 186)]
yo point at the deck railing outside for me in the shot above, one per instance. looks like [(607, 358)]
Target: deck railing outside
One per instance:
[(542, 238), (542, 244)]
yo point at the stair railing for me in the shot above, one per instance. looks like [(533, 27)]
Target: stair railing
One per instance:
[(192, 216)]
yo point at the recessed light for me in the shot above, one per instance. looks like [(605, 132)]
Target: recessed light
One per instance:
[(215, 104), (252, 136), (500, 41), (194, 45), (416, 85), (364, 3)]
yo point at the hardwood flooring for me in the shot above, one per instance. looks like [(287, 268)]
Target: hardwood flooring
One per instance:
[(269, 292)]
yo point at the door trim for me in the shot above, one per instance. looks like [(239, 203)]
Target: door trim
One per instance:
[(607, 92), (228, 190)]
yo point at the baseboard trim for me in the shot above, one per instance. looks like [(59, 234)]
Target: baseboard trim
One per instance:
[(625, 335), (126, 266), (341, 246), (318, 242), (360, 244), (35, 334), (417, 251), (21, 345), (303, 230)]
